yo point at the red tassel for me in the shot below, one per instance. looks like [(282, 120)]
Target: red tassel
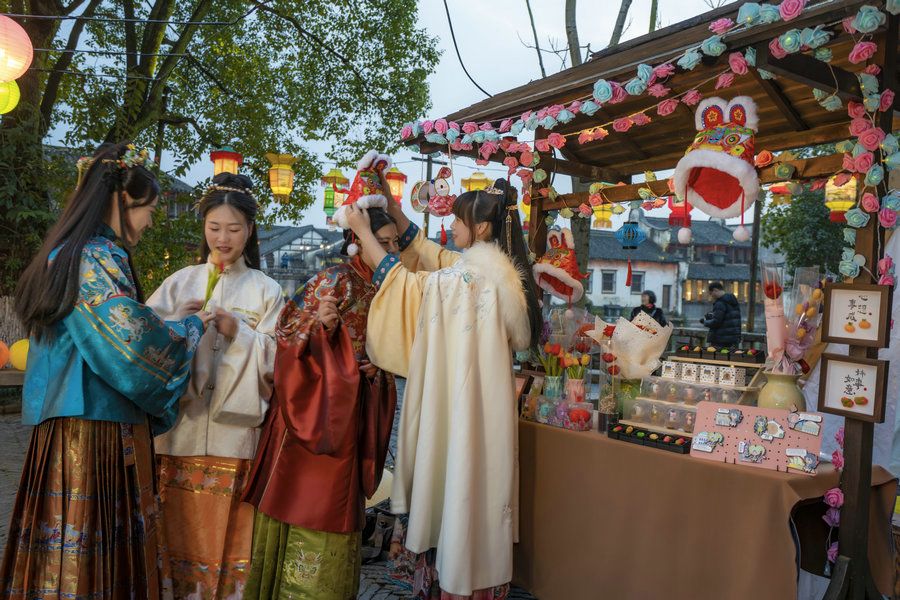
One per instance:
[(628, 277), (443, 235)]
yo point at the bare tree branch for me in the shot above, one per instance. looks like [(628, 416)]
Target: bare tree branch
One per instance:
[(654, 9), (620, 23), (184, 120), (572, 33), (131, 59), (537, 44)]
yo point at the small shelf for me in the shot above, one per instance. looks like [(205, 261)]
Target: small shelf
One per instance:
[(710, 361), (721, 386), (692, 407), (656, 428), (11, 378)]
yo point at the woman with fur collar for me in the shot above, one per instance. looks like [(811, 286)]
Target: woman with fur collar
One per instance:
[(449, 322)]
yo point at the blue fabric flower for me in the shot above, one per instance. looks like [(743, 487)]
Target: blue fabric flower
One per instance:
[(819, 94), (768, 13), (416, 129), (436, 138), (478, 137), (892, 161), (517, 127), (565, 116), (790, 40), (868, 19), (452, 134), (548, 122), (850, 236), (766, 74), (872, 102), (690, 60), (868, 83), (602, 91), (858, 149), (748, 13), (891, 200), (713, 46), (466, 139), (531, 123), (875, 175), (892, 6), (844, 146), (644, 72), (636, 86), (491, 136), (813, 38), (890, 144), (413, 148), (831, 103), (856, 217), (848, 268), (823, 54), (589, 107), (750, 55), (848, 254)]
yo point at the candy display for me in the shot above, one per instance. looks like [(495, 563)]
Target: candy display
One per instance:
[(679, 444)]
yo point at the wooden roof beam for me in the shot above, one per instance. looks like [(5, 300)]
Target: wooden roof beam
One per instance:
[(810, 71), (780, 100)]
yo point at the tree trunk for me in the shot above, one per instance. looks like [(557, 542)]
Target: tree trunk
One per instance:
[(654, 6), (537, 44), (620, 23), (572, 33)]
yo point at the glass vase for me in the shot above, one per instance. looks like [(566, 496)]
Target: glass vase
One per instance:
[(575, 390), (553, 386)]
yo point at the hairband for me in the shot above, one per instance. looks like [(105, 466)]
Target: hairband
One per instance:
[(224, 188), (492, 190)]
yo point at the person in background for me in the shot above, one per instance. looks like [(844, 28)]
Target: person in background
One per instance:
[(205, 459), (648, 305), (724, 321)]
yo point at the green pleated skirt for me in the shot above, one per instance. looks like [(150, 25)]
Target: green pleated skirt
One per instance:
[(293, 563)]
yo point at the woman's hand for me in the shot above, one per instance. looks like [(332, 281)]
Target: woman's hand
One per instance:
[(226, 323), (367, 368), (358, 219), (190, 307), (328, 312), (205, 317)]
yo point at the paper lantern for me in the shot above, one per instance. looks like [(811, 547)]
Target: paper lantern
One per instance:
[(9, 96), (780, 192), (396, 181), (630, 235), (281, 175), (602, 216), (478, 181), (16, 50), (680, 212), (526, 209), (18, 355), (333, 180), (226, 160), (840, 199), (4, 355)]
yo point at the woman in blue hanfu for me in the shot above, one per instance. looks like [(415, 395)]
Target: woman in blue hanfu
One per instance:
[(104, 374)]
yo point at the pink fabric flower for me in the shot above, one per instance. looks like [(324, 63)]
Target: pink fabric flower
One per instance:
[(505, 125), (542, 145), (658, 90), (482, 162), (526, 115), (666, 107), (856, 110), (575, 107), (526, 159), (847, 24), (556, 140), (692, 97), (511, 164), (640, 119), (874, 70), (832, 515), (887, 218), (542, 113), (834, 497), (738, 63), (600, 133), (871, 138), (833, 552), (427, 127), (863, 162), (440, 126), (818, 184), (406, 132), (839, 436), (847, 164), (776, 50), (791, 9), (619, 93), (837, 459), (664, 70), (860, 126), (887, 100), (486, 127), (585, 210), (525, 175), (488, 149), (453, 125), (843, 177), (720, 26), (554, 110), (585, 136), (870, 202), (725, 80), (470, 127), (622, 125), (862, 52)]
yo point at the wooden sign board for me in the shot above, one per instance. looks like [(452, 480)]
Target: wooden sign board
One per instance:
[(857, 314), (853, 387)]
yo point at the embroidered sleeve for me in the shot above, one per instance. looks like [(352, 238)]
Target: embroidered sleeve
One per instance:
[(387, 263), (408, 236)]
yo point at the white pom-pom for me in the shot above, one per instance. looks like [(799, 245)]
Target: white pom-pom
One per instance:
[(570, 315), (685, 235), (741, 234), (352, 250)]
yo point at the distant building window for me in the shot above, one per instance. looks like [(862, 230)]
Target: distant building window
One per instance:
[(637, 282), (589, 282), (667, 297), (608, 282)]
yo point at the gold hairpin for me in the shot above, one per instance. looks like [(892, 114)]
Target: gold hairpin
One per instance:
[(492, 190)]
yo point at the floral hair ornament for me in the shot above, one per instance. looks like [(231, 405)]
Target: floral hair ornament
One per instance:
[(132, 157)]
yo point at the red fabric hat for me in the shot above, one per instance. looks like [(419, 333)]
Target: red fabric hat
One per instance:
[(366, 190), (557, 271)]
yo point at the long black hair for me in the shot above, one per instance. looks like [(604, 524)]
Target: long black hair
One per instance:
[(378, 218), (501, 211), (235, 191), (47, 292)]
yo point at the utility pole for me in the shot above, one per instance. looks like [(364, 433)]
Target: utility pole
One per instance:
[(429, 161)]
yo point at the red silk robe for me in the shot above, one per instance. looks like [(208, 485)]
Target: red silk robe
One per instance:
[(326, 435)]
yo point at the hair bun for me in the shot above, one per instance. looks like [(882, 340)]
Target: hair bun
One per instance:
[(509, 191), (233, 180)]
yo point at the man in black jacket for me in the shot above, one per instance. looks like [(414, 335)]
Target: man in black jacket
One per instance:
[(724, 321)]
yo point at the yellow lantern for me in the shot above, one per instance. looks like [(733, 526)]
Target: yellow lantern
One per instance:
[(526, 208), (396, 180), (840, 199), (9, 96), (16, 50), (478, 181), (281, 175), (226, 160), (602, 216), (18, 355)]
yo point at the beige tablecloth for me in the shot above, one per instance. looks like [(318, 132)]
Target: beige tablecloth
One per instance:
[(602, 518)]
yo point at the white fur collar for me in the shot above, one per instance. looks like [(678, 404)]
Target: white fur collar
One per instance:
[(489, 261)]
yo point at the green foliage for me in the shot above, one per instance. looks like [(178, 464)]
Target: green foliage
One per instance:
[(170, 245), (803, 233)]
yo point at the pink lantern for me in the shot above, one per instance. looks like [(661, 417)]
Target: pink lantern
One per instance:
[(16, 51)]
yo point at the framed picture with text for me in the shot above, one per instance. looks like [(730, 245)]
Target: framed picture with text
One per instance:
[(857, 314), (853, 387)]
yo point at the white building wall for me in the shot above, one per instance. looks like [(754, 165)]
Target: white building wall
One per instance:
[(656, 275)]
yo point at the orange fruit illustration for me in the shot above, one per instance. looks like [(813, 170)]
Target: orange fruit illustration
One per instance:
[(849, 328), (864, 324)]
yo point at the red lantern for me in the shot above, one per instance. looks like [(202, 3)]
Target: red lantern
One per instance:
[(680, 215), (16, 50)]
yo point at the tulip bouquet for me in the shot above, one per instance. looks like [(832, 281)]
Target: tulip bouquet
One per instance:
[(550, 357), (575, 364)]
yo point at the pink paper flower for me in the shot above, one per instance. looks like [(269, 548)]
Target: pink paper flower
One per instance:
[(640, 119), (666, 107), (526, 159), (585, 210), (427, 126), (486, 127), (834, 497), (847, 164), (585, 136), (738, 63), (658, 90), (856, 110), (837, 459), (488, 149), (887, 218), (863, 162), (862, 52), (873, 69), (871, 138), (832, 515), (887, 100), (619, 93), (526, 115), (725, 80), (453, 125), (860, 126), (525, 175), (505, 125), (406, 132), (870, 203), (440, 126), (511, 164), (542, 145), (720, 26), (692, 97), (833, 552), (470, 127), (542, 113), (664, 70), (556, 140), (554, 110), (575, 107), (776, 50), (847, 24), (839, 436), (622, 125), (600, 133), (818, 184), (791, 9)]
